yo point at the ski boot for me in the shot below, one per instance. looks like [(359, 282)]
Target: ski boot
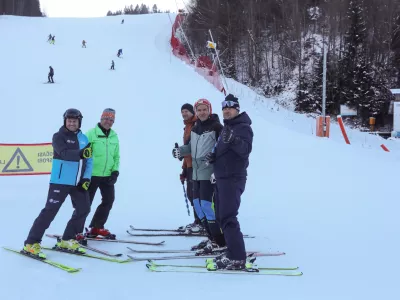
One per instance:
[(230, 264), (34, 250), (69, 246), (81, 238), (104, 233), (200, 245), (211, 248), (196, 228), (186, 228)]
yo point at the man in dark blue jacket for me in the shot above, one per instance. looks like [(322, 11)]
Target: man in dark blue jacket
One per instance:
[(70, 175), (231, 159)]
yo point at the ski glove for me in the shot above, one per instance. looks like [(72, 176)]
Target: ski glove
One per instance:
[(84, 184), (86, 152), (113, 178), (210, 157), (176, 153), (228, 137), (183, 175)]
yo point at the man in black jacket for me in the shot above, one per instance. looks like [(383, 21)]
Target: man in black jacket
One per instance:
[(231, 159)]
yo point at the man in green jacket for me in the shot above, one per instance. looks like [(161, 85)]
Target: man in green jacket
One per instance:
[(105, 146)]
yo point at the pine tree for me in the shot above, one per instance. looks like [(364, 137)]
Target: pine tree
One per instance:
[(144, 9), (353, 66)]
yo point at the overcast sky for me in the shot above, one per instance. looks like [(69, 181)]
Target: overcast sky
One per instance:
[(99, 8)]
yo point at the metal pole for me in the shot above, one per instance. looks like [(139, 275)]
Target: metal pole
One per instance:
[(219, 61), (187, 41), (324, 88)]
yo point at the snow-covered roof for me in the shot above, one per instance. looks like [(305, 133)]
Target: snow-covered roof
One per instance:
[(395, 91)]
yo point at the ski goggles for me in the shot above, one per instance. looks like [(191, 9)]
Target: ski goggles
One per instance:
[(109, 115), (229, 103)]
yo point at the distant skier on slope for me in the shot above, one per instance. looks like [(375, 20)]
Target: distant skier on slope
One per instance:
[(119, 52), (83, 44), (51, 74), (112, 65)]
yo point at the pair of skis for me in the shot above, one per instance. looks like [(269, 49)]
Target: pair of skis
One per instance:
[(191, 253), (251, 269), (65, 267), (168, 232)]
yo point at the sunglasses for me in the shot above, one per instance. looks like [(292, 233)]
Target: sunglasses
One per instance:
[(229, 104)]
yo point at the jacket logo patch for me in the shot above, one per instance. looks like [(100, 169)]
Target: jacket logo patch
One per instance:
[(71, 141)]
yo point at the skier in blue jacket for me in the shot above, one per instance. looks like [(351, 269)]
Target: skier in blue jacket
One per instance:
[(70, 175)]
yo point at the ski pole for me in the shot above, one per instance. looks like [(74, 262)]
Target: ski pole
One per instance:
[(186, 199)]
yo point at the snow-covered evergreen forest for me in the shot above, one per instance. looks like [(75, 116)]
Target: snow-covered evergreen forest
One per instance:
[(276, 45)]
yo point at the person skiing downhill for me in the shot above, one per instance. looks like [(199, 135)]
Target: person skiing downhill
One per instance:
[(189, 119), (203, 137), (105, 145), (70, 175), (112, 65), (230, 160), (50, 76), (119, 52), (83, 44), (49, 38)]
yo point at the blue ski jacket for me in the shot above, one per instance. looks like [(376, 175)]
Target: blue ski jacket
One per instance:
[(68, 168)]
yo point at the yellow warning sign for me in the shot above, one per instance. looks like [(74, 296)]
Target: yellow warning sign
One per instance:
[(25, 159)]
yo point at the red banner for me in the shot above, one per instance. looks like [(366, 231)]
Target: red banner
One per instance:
[(203, 66)]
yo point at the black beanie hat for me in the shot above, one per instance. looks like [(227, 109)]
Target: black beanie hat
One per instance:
[(232, 98), (189, 107)]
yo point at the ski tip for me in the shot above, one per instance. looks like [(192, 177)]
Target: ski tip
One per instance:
[(74, 270), (118, 255), (162, 242)]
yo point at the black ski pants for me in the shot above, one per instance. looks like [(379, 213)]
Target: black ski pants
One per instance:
[(55, 198), (227, 202), (107, 191), (50, 77)]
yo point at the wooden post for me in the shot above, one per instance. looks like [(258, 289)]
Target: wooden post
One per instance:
[(321, 131)]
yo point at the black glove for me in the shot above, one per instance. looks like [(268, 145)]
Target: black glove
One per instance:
[(228, 137), (86, 152), (210, 157), (113, 178), (84, 184), (183, 175)]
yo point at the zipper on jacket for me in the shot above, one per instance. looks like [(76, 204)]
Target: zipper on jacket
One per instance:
[(59, 174), (195, 156), (105, 165)]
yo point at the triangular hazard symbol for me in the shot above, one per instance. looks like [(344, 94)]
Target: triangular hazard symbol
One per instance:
[(18, 163)]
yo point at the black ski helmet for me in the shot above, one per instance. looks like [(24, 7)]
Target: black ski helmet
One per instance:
[(73, 113)]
